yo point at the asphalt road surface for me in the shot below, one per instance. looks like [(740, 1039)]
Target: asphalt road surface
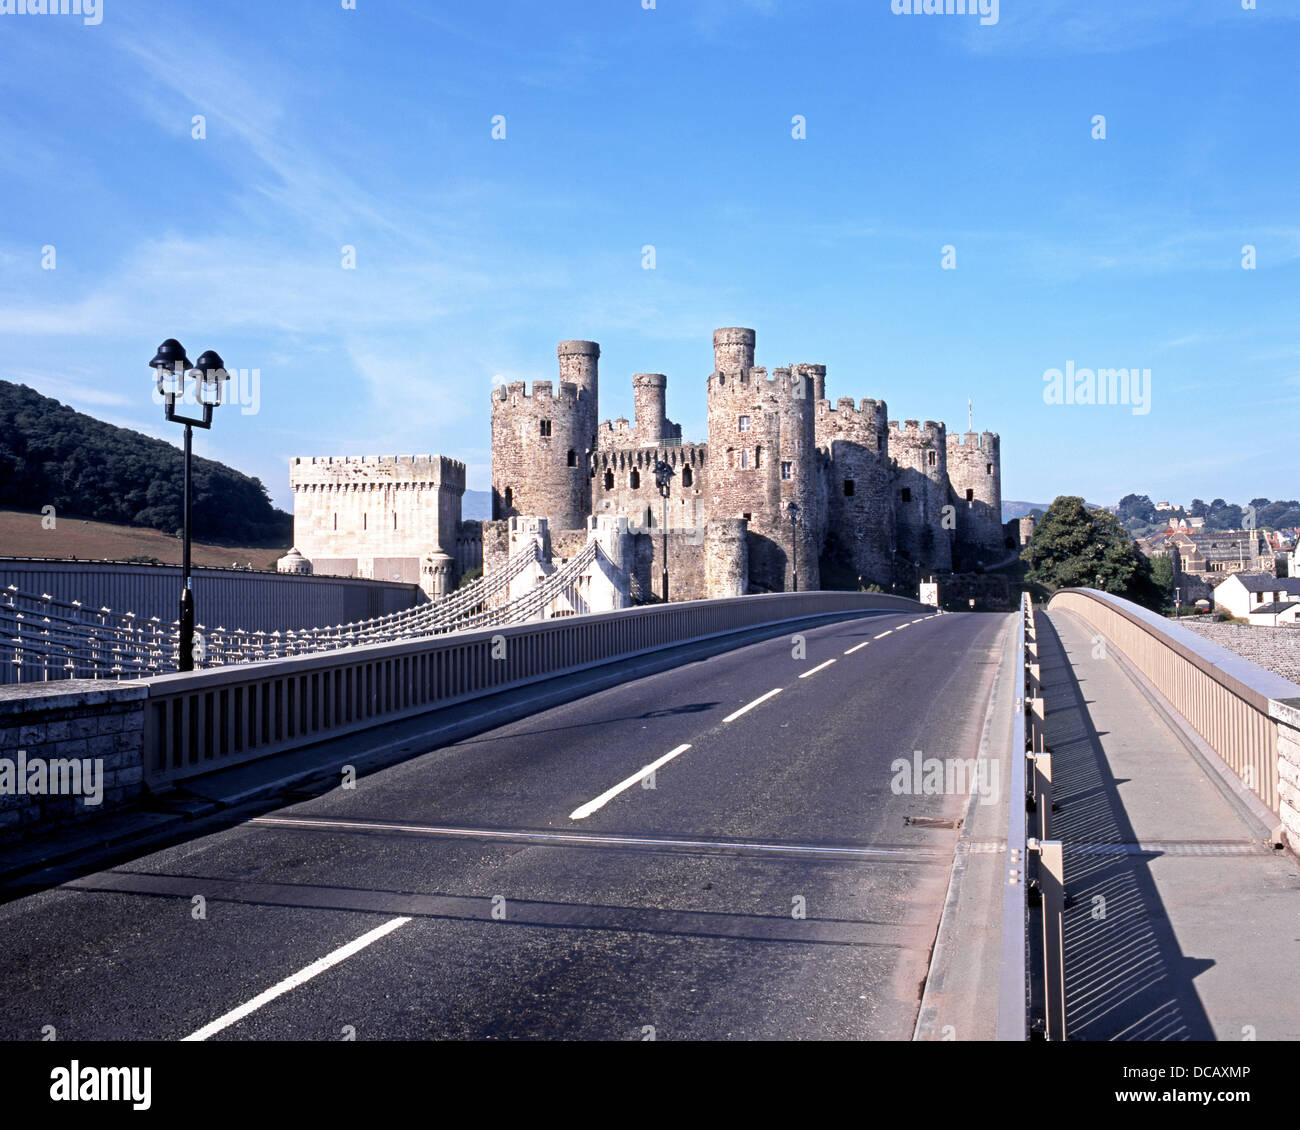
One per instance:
[(534, 881)]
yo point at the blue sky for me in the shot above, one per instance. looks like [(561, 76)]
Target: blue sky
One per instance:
[(670, 127)]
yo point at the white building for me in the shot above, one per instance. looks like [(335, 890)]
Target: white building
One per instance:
[(1259, 598)]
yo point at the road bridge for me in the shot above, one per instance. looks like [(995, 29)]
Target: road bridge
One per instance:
[(788, 816)]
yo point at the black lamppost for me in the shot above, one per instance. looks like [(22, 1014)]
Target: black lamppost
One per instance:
[(793, 510), (171, 369), (664, 481)]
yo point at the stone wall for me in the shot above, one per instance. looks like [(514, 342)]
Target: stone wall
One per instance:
[(94, 724), (496, 546), (1274, 649), (623, 482), (686, 566)]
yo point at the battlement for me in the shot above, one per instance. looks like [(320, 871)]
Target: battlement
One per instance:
[(871, 414), (649, 380), (578, 349), (754, 379), (673, 454), (517, 391), (615, 429), (987, 441), (351, 470), (931, 430)]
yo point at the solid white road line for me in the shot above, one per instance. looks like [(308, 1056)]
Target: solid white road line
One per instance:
[(857, 647), (814, 670), (751, 705), (884, 634), (299, 978), (582, 812)]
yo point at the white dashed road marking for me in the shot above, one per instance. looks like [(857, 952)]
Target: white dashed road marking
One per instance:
[(299, 978), (814, 670), (750, 705), (583, 811)]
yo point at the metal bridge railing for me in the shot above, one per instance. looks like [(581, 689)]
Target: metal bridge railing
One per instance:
[(43, 638), (1034, 864)]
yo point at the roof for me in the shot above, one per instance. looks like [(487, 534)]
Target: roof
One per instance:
[(1266, 582), (1273, 607)]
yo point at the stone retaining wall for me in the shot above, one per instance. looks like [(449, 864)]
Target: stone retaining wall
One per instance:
[(54, 732)]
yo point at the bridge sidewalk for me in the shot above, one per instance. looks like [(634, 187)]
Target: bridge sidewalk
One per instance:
[(1182, 923)]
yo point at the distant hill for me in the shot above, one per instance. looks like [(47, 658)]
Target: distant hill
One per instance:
[(476, 506), (1011, 509), (52, 455)]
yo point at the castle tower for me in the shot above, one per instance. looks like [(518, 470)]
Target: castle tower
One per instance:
[(542, 442), (733, 349), (649, 392), (859, 491), (762, 457), (920, 453), (975, 474)]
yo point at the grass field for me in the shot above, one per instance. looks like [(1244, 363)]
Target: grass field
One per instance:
[(21, 535)]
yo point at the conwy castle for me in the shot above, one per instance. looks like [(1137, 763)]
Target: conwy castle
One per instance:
[(875, 502)]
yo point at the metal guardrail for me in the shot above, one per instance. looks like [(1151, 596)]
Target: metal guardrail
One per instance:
[(199, 721), (43, 638), (1034, 863), (1224, 697)]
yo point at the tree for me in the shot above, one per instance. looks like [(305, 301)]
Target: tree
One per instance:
[(1075, 547)]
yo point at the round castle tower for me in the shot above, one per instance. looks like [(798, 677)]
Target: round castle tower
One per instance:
[(975, 472), (762, 457), (920, 452), (859, 489), (542, 442), (650, 397)]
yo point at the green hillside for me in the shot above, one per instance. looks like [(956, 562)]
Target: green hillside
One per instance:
[(51, 455)]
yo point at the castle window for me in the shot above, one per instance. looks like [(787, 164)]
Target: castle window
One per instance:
[(744, 457), (988, 468), (848, 488), (742, 424), (573, 458), (394, 519), (932, 456), (907, 494), (336, 521), (510, 498), (758, 456), (363, 520), (687, 477), (546, 427), (609, 480), (634, 479), (787, 470), (970, 495)]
